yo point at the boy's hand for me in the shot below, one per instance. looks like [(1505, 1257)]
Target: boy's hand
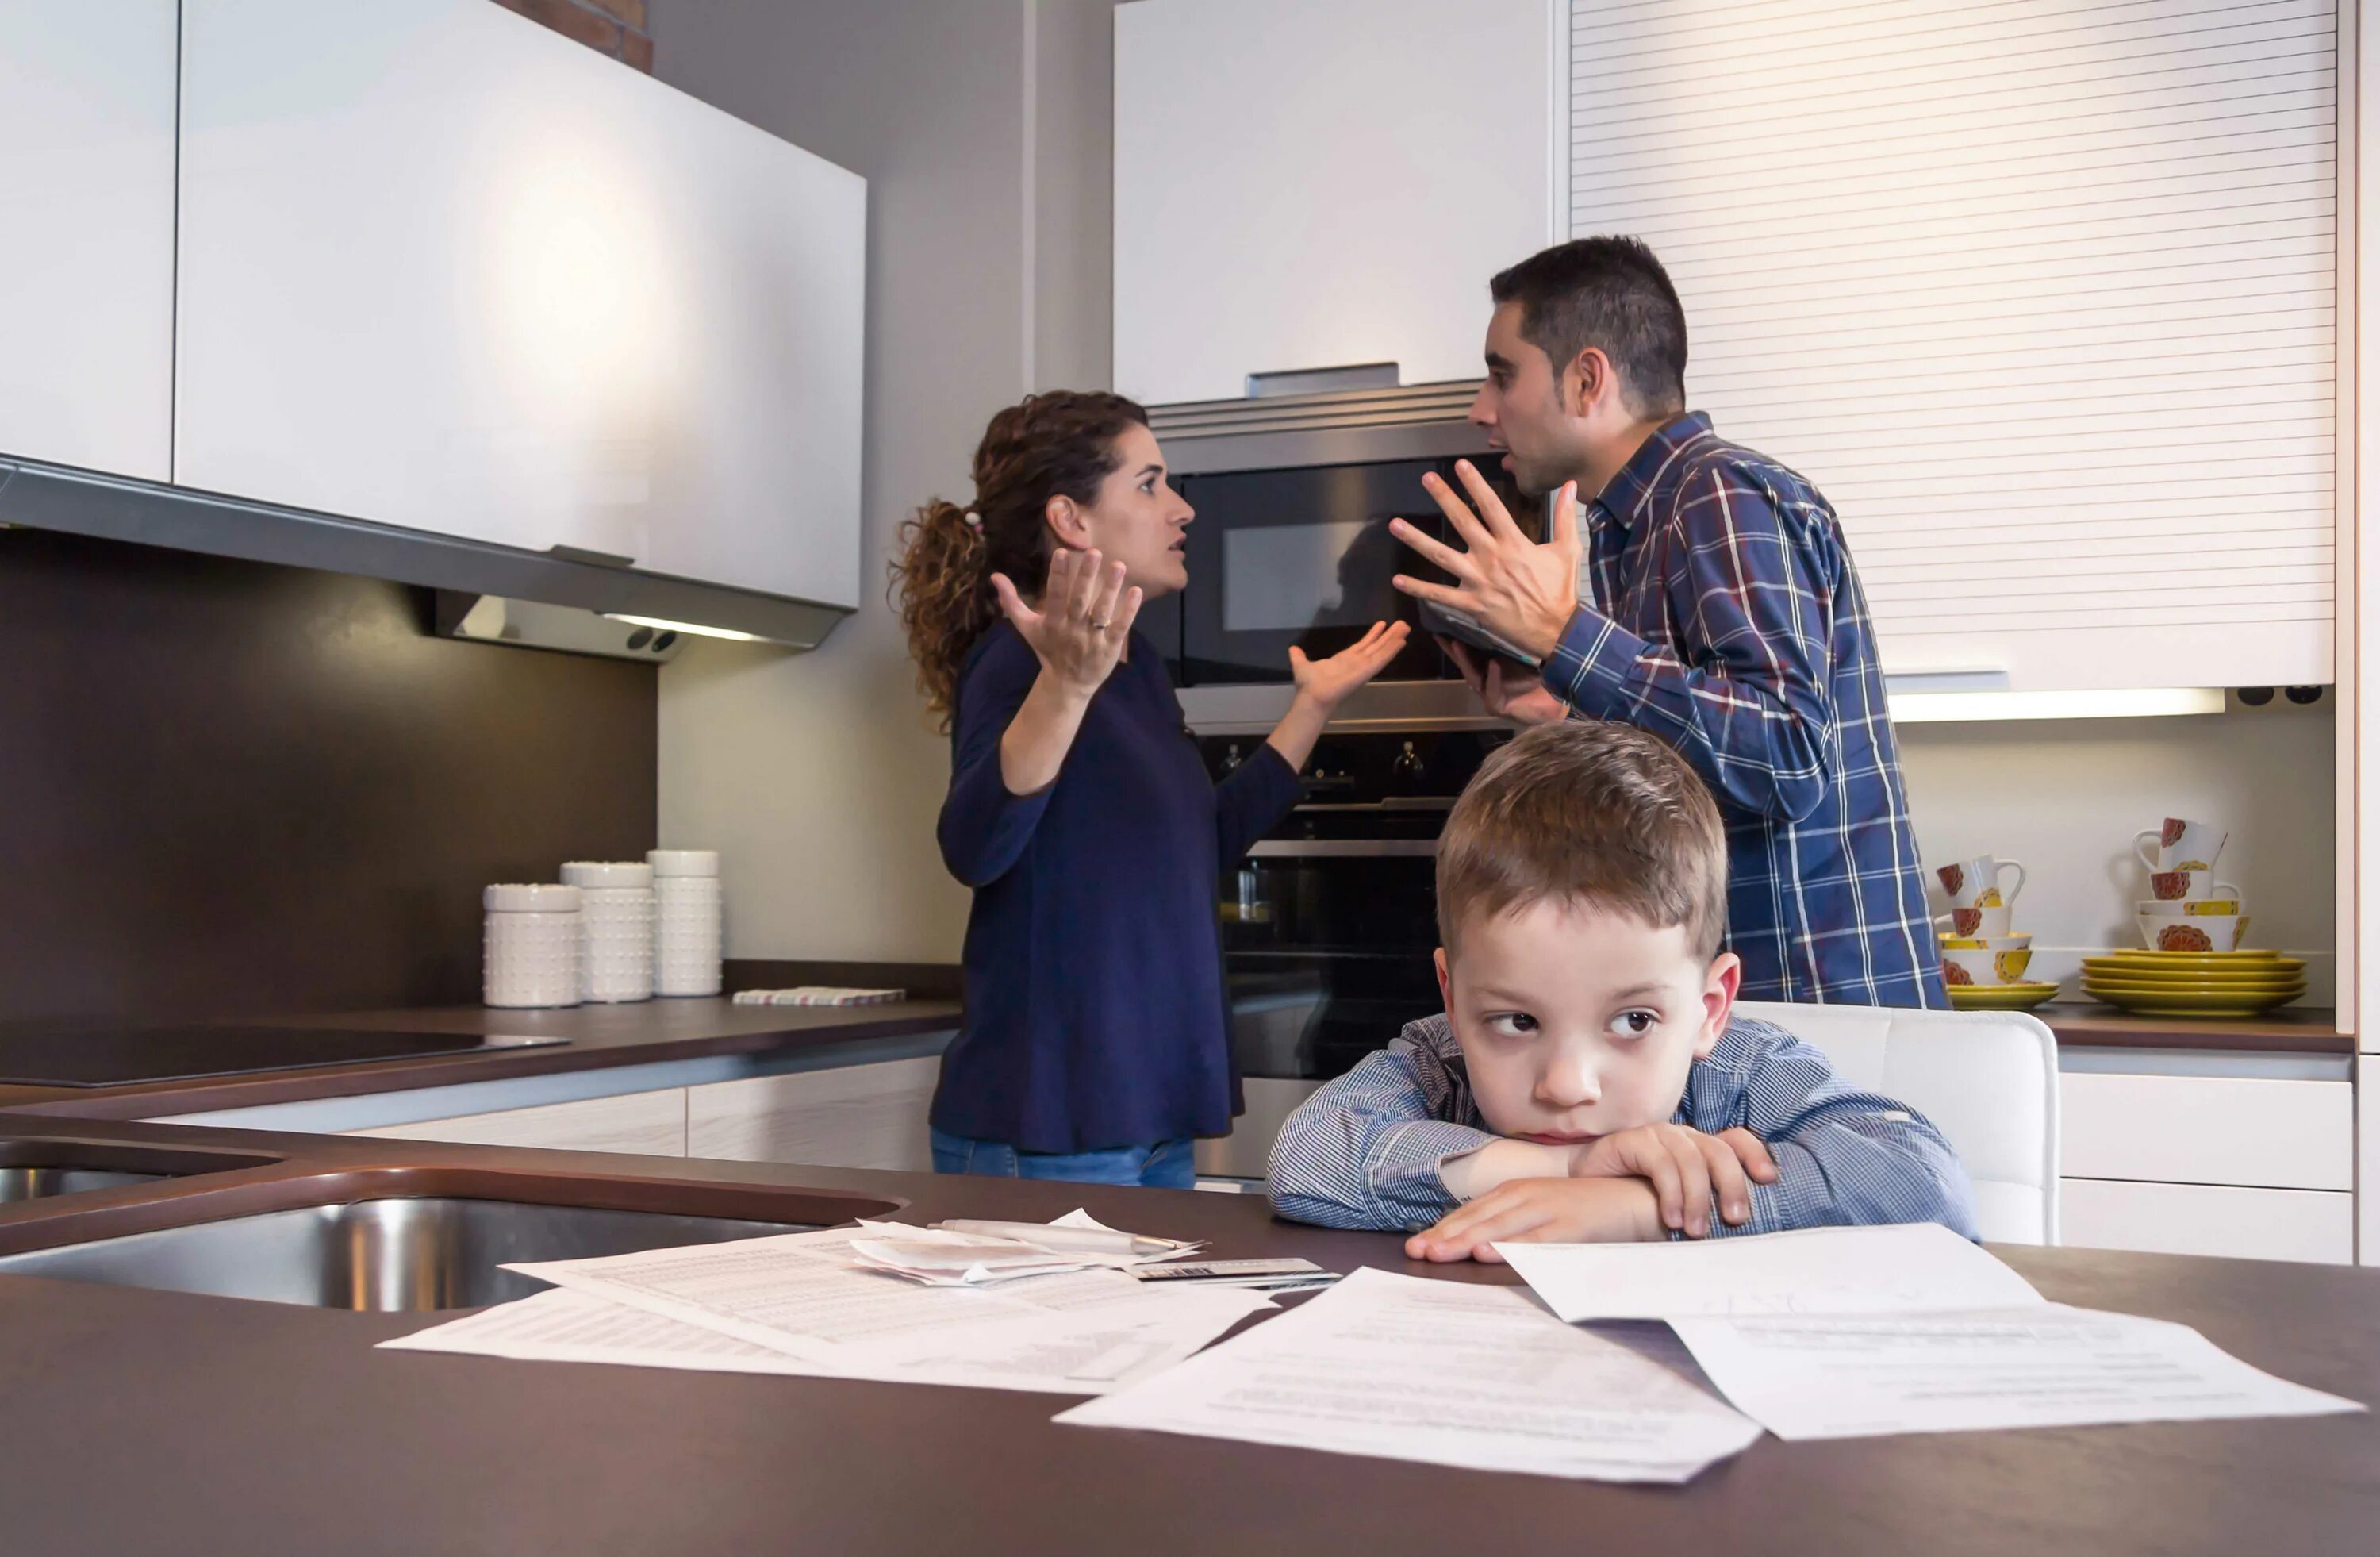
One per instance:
[(1689, 1170), (1542, 1211)]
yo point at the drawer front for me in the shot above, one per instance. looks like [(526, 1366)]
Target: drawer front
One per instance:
[(649, 1124), (2308, 1224), (2199, 1129), (856, 1116)]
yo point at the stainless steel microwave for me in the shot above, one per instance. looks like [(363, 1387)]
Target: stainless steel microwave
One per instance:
[(1291, 546)]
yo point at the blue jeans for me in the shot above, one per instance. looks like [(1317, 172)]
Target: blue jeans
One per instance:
[(1166, 1165)]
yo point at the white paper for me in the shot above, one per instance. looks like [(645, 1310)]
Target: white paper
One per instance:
[(1919, 1268), (1444, 1372), (2042, 1366), (806, 1293), (568, 1326)]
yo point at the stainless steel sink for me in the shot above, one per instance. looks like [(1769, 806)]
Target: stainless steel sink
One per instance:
[(384, 1255), (36, 1168)]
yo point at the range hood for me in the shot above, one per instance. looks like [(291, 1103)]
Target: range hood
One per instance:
[(43, 496)]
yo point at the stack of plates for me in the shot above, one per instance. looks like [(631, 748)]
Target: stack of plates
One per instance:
[(2194, 983), (1999, 997)]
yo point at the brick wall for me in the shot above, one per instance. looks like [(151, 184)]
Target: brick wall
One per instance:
[(618, 28)]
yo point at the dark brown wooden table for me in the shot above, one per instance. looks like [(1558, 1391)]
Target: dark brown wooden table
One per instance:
[(151, 1422)]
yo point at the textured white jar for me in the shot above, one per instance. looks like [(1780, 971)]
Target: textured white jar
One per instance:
[(616, 932), (686, 938), (530, 953)]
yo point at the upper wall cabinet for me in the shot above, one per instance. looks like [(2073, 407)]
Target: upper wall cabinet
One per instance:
[(87, 233), (442, 269), (1313, 184)]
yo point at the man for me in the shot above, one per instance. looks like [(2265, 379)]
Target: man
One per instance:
[(1726, 619)]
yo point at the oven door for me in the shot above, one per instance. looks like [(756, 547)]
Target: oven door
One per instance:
[(1304, 557)]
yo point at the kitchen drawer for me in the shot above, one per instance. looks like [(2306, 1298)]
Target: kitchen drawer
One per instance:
[(649, 1124), (2309, 1224), (2198, 1129), (853, 1116)]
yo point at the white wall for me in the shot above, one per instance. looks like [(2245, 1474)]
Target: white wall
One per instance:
[(816, 775), (2066, 796)]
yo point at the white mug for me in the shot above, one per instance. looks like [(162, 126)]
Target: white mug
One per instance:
[(1969, 923), (2183, 845), (1975, 883)]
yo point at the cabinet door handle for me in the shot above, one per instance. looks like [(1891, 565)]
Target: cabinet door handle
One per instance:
[(592, 558)]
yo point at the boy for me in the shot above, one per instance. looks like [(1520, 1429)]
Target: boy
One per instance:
[(1585, 1083)]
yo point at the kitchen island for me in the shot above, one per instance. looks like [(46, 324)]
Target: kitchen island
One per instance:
[(163, 1423)]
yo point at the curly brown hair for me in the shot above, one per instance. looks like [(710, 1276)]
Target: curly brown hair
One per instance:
[(1062, 444)]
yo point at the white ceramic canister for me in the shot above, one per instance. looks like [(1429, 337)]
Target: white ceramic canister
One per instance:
[(615, 939), (531, 947), (686, 937)]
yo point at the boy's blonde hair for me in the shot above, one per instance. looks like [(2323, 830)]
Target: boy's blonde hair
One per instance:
[(1587, 812)]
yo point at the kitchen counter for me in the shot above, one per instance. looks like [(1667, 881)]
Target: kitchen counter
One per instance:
[(600, 1036), (2292, 1029), (168, 1423)]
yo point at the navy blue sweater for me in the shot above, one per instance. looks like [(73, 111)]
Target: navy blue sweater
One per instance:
[(1095, 1007)]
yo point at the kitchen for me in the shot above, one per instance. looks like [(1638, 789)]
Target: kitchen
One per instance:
[(246, 757)]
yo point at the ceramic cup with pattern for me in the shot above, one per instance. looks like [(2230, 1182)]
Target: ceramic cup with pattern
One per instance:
[(2183, 932), (2180, 844), (1992, 963), (2176, 886), (1980, 883), (1972, 922)]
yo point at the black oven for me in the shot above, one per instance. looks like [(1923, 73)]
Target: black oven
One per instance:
[(1304, 556), (1328, 925)]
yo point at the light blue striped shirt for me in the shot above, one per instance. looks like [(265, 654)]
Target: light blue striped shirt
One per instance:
[(1365, 1150)]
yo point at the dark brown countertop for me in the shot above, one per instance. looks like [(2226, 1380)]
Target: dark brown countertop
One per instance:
[(154, 1422), (600, 1036), (2289, 1030)]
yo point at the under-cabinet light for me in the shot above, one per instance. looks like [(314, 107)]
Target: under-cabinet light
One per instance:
[(2138, 702), (658, 625)]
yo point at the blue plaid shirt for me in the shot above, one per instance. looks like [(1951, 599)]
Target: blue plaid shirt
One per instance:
[(1728, 620), (1366, 1150)]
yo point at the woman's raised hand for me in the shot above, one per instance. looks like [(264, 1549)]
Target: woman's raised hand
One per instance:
[(1328, 681), (1084, 617)]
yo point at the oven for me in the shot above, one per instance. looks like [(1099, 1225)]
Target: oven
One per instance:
[(1329, 923)]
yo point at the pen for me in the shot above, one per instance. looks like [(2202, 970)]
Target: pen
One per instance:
[(1092, 1240)]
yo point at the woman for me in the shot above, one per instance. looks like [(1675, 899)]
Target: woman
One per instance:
[(1079, 810)]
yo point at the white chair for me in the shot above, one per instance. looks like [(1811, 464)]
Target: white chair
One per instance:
[(1987, 1079)]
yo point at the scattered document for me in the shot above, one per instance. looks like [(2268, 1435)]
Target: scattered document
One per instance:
[(568, 1326), (1444, 1372), (1919, 1268), (2042, 1366), (810, 1296)]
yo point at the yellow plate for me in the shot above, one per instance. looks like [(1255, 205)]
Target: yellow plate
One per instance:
[(2165, 1004), (2158, 991), (2190, 979), (2183, 959), (1999, 997)]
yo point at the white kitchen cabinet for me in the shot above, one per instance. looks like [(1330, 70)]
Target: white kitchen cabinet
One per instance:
[(2208, 1130), (2229, 1221), (856, 1116), (443, 268), (1309, 184), (87, 233), (649, 1124)]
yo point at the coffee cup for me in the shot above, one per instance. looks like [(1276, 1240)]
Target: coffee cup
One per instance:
[(1971, 922), (2205, 932), (1976, 884), (2175, 887), (2182, 844), (1971, 965), (2189, 908)]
